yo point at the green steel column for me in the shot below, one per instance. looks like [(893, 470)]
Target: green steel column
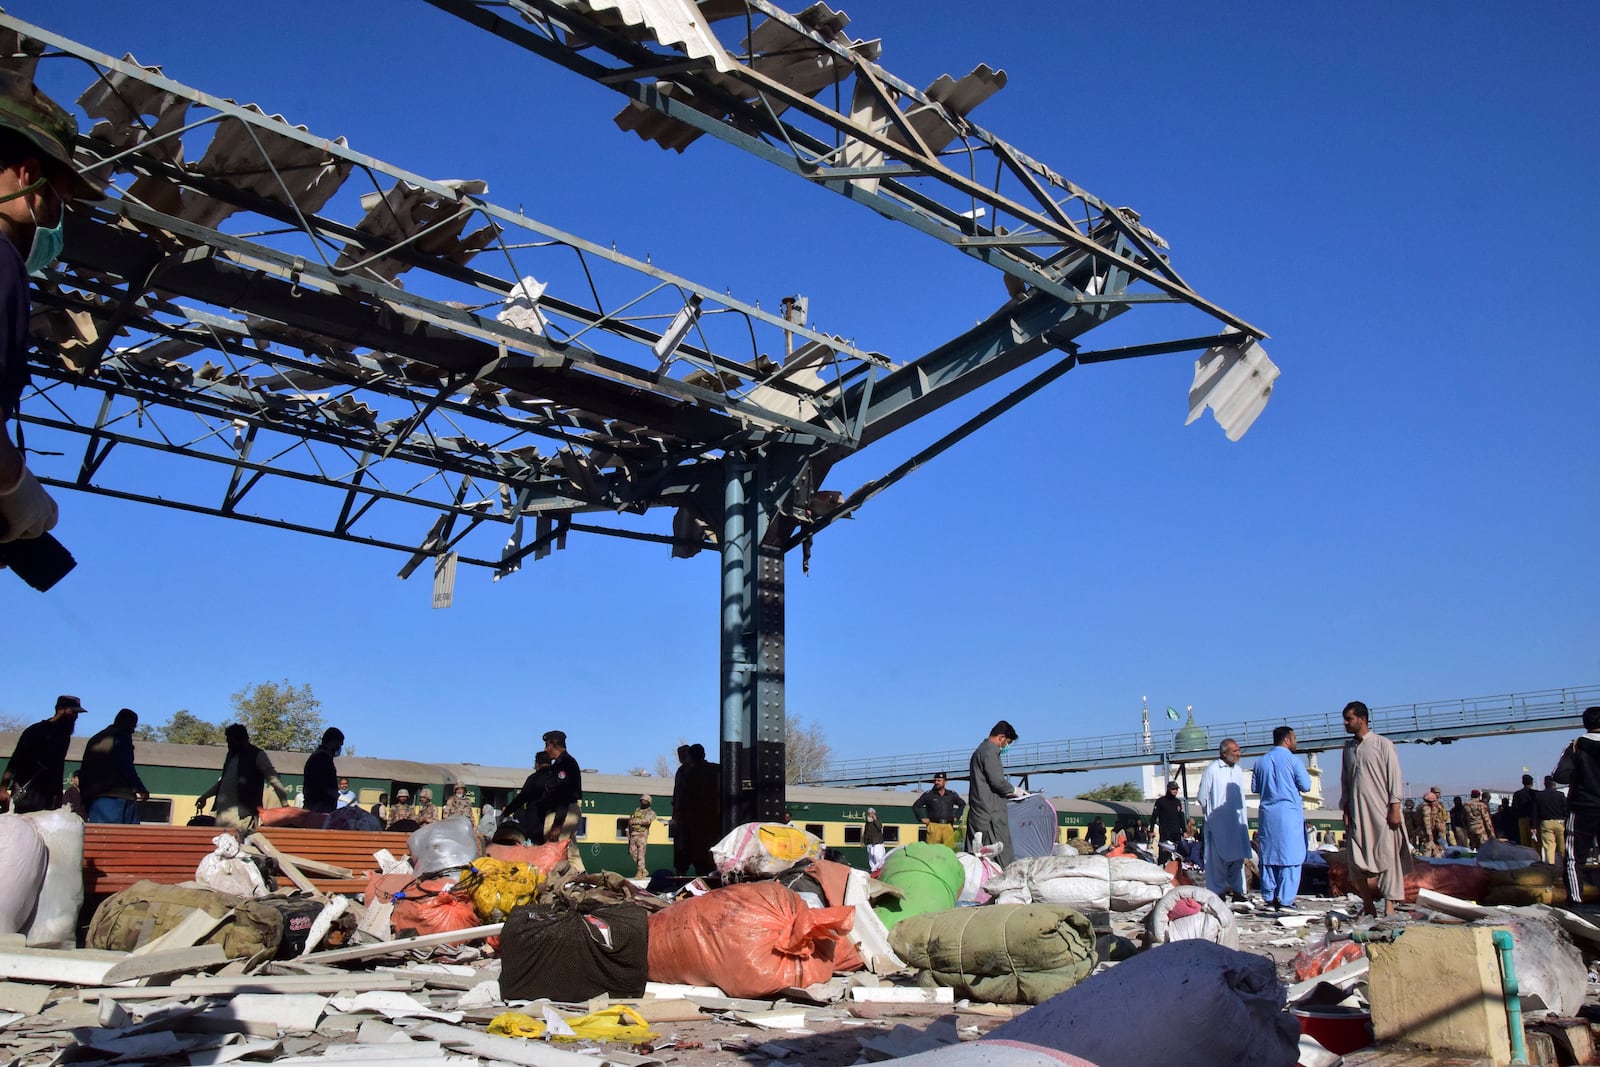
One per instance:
[(752, 750)]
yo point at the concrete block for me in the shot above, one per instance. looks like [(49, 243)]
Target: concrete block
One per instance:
[(1541, 1049), (1573, 1041), (1439, 987)]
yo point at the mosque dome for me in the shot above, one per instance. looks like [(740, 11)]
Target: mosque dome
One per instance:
[(1190, 737)]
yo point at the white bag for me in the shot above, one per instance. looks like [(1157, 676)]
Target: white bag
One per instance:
[(227, 871), (1214, 922), (978, 870), (55, 922), (1088, 883), (24, 859), (758, 848), (447, 845)]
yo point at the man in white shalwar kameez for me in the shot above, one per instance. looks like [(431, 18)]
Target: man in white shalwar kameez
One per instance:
[(1227, 835), (1375, 835)]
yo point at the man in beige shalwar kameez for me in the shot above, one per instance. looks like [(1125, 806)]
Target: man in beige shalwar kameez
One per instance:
[(1375, 836)]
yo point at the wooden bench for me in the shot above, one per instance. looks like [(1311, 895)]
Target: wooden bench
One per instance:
[(115, 857)]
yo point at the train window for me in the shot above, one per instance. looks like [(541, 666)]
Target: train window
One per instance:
[(622, 828), (891, 834), (852, 835), (156, 809), (583, 827), (672, 830), (814, 829), (1072, 833)]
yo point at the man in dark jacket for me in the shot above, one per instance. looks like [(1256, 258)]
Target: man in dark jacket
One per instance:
[(532, 802), (566, 795), (697, 820), (1522, 807), (1579, 771), (1167, 817), (321, 776), (246, 771), (987, 793), (32, 779), (939, 810), (108, 777), (1550, 816)]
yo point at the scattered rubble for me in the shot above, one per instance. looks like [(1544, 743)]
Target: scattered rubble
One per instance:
[(180, 990)]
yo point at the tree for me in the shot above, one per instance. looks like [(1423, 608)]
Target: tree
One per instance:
[(11, 724), (1122, 791), (280, 716), (185, 728), (806, 750), (667, 766)]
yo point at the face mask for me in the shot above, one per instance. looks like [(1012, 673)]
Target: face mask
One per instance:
[(46, 249)]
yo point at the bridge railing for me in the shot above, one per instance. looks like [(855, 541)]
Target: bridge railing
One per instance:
[(1411, 722)]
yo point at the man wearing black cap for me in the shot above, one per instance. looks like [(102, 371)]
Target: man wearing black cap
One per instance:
[(566, 791), (1167, 818), (108, 776), (37, 178), (989, 790), (939, 810), (32, 779)]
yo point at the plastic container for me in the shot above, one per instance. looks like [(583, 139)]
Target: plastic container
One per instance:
[(1339, 1030)]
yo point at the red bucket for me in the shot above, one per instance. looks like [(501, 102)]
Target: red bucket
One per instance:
[(1339, 1030)]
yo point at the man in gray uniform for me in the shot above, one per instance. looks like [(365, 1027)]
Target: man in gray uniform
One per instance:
[(989, 791)]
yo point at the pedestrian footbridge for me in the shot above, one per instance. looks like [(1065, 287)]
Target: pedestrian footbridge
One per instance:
[(1434, 722)]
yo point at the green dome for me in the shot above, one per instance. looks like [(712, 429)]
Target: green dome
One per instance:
[(1190, 738)]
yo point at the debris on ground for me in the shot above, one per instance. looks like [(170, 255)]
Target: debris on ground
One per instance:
[(508, 954)]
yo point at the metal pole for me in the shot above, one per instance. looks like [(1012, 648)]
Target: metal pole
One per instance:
[(738, 564)]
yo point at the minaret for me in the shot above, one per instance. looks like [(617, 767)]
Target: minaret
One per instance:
[(1146, 700)]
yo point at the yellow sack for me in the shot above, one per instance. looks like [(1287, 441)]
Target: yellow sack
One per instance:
[(621, 1023), (786, 842), (497, 886)]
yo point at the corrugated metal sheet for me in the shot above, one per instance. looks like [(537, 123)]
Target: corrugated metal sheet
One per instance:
[(310, 175), (938, 126), (777, 52), (675, 23), (406, 211), (1235, 383)]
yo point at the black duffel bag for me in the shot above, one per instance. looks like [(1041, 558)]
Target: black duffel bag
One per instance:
[(298, 913), (560, 952)]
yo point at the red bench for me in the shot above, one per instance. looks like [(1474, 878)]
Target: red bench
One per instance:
[(115, 857)]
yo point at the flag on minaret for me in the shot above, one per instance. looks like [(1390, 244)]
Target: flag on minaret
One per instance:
[(1172, 713)]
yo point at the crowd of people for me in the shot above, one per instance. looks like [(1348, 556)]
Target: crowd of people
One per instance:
[(1382, 830)]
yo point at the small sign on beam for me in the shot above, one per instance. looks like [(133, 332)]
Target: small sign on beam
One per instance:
[(444, 580)]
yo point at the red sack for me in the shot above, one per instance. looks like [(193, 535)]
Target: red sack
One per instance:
[(297, 817), (750, 940), (545, 857), (1308, 964), (422, 907)]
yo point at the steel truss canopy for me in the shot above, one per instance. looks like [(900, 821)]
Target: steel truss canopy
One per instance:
[(291, 332), (317, 340)]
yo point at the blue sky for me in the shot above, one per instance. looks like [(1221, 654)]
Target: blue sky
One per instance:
[(1403, 198)]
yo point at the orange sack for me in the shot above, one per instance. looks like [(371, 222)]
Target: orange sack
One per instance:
[(750, 940)]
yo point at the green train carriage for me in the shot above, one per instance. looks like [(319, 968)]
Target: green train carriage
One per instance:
[(177, 774)]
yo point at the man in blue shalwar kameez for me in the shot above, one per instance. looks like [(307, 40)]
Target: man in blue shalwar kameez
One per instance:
[(1279, 779)]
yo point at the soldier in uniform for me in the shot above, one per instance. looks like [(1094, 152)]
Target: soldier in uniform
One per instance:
[(639, 834)]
